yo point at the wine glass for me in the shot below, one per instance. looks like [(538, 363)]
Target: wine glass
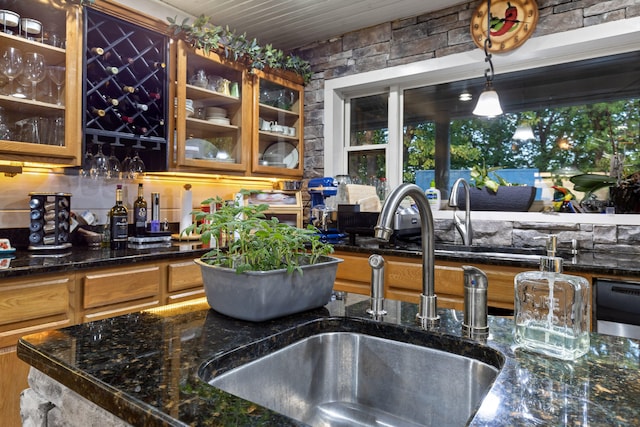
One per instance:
[(34, 70), (114, 165), (136, 166), (99, 165), (11, 65), (56, 74)]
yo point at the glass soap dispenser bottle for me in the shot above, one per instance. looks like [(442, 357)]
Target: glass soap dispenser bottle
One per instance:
[(552, 313)]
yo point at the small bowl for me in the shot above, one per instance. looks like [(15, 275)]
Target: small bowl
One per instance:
[(9, 18), (31, 26)]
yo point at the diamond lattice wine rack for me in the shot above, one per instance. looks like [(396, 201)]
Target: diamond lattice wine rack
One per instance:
[(125, 89)]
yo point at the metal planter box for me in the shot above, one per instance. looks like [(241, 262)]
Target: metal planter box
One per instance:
[(263, 295)]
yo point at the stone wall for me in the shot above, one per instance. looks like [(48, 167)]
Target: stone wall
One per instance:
[(419, 38), (522, 234), (441, 33)]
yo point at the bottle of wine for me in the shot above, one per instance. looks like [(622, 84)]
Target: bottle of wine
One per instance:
[(119, 222), (98, 51), (97, 74), (98, 112), (140, 212)]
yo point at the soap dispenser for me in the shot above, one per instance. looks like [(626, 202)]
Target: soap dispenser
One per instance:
[(552, 313)]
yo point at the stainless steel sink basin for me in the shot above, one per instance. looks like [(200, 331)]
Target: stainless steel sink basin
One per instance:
[(355, 379)]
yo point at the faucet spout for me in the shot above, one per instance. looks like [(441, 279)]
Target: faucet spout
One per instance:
[(427, 314), (463, 228)]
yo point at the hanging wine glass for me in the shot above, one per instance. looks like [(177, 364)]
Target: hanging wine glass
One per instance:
[(56, 74), (99, 165), (34, 70), (114, 165), (136, 167), (11, 65)]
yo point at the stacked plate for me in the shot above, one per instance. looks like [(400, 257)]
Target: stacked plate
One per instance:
[(217, 115)]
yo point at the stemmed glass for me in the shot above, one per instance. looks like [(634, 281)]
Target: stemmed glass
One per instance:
[(56, 74), (11, 65), (136, 167), (114, 165), (99, 165), (34, 70)]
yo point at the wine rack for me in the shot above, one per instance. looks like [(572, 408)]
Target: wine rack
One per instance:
[(125, 89)]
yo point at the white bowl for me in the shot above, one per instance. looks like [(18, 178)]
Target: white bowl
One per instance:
[(215, 112), (9, 18), (30, 26)]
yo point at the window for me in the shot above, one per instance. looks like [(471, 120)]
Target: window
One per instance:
[(585, 117), (418, 93), (368, 138)]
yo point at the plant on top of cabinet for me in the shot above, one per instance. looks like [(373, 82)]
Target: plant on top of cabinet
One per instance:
[(208, 37)]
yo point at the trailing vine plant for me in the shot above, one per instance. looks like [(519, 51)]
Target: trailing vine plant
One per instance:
[(201, 34)]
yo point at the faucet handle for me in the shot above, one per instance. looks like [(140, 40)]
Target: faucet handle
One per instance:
[(376, 308), (475, 324)]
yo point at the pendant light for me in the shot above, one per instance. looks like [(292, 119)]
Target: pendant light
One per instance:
[(523, 133), (488, 104)]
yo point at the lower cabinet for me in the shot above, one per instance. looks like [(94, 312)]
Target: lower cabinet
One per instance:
[(50, 301), (28, 306), (403, 279)]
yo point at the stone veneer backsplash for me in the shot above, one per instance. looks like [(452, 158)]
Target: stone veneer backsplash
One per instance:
[(590, 237)]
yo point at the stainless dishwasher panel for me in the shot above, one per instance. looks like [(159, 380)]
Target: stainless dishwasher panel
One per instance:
[(617, 307)]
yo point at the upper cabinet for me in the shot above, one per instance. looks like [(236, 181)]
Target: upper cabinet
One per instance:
[(213, 112), (277, 147), (126, 95), (39, 74), (231, 120)]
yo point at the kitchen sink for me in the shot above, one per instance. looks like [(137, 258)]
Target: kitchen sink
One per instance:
[(345, 376)]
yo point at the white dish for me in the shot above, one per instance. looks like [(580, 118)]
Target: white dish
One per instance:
[(9, 18), (288, 151), (31, 26), (219, 121)]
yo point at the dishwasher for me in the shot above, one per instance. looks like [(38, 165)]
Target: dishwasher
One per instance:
[(616, 307)]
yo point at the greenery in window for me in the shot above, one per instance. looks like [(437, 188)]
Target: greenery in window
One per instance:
[(585, 138)]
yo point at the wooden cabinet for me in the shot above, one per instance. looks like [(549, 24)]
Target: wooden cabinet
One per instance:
[(277, 147), (213, 112), (32, 121), (184, 281), (27, 306), (35, 304), (232, 121), (403, 279), (114, 291)]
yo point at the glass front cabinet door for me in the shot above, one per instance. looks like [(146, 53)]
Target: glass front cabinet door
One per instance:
[(213, 112), (277, 147), (38, 115)]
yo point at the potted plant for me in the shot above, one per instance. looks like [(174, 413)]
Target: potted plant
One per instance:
[(266, 269), (494, 193)]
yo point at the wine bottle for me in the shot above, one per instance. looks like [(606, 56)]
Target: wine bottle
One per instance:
[(97, 51), (97, 72), (119, 222), (98, 112), (140, 212)]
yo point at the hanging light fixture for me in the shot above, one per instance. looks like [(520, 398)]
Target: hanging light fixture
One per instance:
[(523, 132), (488, 104)]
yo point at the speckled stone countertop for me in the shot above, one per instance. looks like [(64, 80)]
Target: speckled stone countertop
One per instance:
[(25, 262), (144, 367)]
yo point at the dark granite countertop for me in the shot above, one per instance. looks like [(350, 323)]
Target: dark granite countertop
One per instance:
[(143, 367), (24, 262)]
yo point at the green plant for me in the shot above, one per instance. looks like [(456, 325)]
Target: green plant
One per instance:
[(481, 178), (201, 34), (255, 243)]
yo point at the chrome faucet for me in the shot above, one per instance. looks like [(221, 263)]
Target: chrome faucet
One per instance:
[(464, 229), (427, 313)]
